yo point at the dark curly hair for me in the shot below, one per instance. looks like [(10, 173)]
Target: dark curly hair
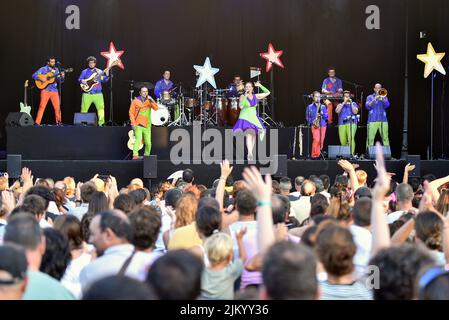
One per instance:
[(335, 248), (398, 270), (85, 223), (146, 223), (71, 228), (57, 254)]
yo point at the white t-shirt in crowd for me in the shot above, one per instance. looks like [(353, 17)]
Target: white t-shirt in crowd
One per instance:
[(301, 208), (71, 278), (165, 226), (394, 216), (363, 240)]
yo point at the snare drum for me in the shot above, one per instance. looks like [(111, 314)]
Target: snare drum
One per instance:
[(233, 111), (166, 96), (161, 116)]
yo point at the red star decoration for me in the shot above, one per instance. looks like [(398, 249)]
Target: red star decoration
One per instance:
[(113, 55), (272, 56)]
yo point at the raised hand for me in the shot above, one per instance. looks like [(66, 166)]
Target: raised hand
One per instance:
[(409, 167), (253, 181), (226, 169), (383, 178), (241, 233)]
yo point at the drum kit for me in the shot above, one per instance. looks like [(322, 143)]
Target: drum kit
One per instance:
[(176, 109)]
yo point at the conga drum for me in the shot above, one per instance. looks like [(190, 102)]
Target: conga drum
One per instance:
[(233, 111), (221, 106)]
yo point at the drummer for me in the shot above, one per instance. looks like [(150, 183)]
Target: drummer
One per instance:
[(164, 86), (236, 88)]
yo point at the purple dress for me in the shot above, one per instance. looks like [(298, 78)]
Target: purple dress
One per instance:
[(248, 118)]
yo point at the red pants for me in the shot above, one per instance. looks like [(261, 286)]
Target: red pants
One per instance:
[(330, 108), (317, 145), (54, 97)]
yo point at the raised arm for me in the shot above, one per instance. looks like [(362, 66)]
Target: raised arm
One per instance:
[(265, 92), (226, 170), (435, 184), (262, 191), (349, 168), (379, 225), (408, 168)]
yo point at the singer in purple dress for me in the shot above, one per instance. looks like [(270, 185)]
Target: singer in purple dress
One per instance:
[(249, 122)]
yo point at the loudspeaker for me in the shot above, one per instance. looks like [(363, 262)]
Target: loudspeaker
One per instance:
[(335, 152), (150, 167), (18, 119), (14, 165), (386, 150), (85, 119), (282, 170), (416, 161)]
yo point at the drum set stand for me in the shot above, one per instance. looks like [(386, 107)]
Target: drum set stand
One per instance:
[(206, 107)]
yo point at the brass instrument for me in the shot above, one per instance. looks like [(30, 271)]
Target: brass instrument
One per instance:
[(317, 121), (383, 92)]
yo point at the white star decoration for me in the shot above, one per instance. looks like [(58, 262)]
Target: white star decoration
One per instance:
[(113, 55), (206, 73), (272, 56), (432, 61)]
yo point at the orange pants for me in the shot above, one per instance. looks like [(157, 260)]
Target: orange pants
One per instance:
[(317, 143), (54, 97), (330, 108)]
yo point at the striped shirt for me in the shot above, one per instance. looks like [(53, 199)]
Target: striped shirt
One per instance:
[(355, 291)]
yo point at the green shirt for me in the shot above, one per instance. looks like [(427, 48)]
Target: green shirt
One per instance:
[(43, 287)]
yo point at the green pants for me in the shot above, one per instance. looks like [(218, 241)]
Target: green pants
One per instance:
[(96, 99), (344, 132), (146, 134), (373, 127)]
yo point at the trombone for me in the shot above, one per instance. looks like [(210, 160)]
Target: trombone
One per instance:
[(382, 93)]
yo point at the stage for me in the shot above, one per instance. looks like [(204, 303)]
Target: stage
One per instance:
[(82, 152)]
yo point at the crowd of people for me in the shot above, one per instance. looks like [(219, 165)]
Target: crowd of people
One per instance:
[(254, 238)]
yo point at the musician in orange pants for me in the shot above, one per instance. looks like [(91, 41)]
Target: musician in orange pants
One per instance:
[(316, 116), (50, 92), (331, 86)]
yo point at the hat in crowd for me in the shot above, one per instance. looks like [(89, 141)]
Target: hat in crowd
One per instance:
[(13, 264), (137, 183)]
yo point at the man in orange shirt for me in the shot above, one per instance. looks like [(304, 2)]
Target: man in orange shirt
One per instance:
[(140, 116)]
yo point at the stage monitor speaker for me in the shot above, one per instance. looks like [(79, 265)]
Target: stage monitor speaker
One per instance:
[(14, 165), (150, 167), (282, 170), (416, 161), (19, 119), (337, 152), (85, 119), (386, 151)]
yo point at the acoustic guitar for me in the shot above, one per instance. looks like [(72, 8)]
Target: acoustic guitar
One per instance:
[(88, 84), (45, 79), (132, 141), (24, 107)]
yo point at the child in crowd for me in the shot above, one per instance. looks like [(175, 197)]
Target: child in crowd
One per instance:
[(217, 282)]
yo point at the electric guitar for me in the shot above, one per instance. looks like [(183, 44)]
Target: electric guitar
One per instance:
[(132, 141), (24, 107), (45, 79), (88, 84)]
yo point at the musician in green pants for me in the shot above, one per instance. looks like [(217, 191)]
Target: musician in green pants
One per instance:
[(376, 104), (347, 121), (94, 95)]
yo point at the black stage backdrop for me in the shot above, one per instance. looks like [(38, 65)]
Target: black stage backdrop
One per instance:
[(175, 34)]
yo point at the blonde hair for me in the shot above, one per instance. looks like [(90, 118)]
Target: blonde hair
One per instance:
[(71, 187), (185, 210), (218, 247), (362, 176), (3, 184)]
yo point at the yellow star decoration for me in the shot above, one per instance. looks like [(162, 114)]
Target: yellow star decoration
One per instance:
[(432, 61)]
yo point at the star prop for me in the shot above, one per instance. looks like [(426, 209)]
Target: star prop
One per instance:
[(272, 56), (113, 55), (206, 73), (432, 61)]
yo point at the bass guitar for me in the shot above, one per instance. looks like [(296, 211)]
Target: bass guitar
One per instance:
[(88, 84), (45, 79)]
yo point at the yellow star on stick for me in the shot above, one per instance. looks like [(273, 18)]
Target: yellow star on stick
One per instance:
[(432, 61)]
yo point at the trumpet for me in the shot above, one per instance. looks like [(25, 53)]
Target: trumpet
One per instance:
[(382, 93)]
